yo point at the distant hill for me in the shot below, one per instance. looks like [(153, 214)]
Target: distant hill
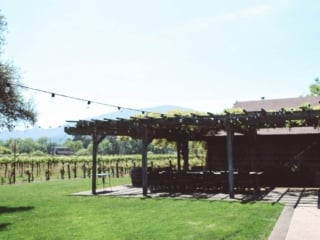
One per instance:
[(59, 136), (128, 113)]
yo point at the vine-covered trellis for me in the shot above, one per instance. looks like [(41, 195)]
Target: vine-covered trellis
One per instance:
[(189, 127)]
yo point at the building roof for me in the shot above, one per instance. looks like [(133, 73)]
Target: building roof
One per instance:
[(289, 131), (277, 104)]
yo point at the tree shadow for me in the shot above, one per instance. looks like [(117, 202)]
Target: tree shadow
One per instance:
[(3, 226), (14, 209), (4, 210)]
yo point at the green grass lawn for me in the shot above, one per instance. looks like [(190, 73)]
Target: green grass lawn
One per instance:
[(45, 210)]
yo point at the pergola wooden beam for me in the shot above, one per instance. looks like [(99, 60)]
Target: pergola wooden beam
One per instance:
[(193, 127)]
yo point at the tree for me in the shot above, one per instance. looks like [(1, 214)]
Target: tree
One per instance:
[(73, 145), (105, 147), (27, 145), (315, 88), (45, 145), (13, 107)]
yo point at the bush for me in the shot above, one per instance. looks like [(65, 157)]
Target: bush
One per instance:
[(38, 153), (4, 150), (83, 152)]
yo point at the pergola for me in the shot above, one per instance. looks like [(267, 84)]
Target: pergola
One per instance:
[(191, 127)]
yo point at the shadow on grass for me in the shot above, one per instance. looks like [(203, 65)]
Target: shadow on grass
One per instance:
[(14, 209), (4, 210), (3, 226)]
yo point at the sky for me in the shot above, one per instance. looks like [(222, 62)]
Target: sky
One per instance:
[(204, 54)]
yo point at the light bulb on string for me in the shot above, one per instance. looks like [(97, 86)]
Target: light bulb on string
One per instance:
[(88, 104), (7, 89)]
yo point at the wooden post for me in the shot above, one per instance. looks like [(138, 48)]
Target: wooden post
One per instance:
[(253, 147), (185, 155), (145, 143), (230, 161), (95, 140), (178, 155), (94, 162)]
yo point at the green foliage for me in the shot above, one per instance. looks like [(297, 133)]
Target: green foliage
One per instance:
[(162, 145), (83, 152), (73, 145), (233, 111), (13, 106), (4, 150), (315, 88), (105, 147), (38, 153)]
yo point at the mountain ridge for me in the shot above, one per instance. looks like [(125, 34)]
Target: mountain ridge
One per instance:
[(57, 134)]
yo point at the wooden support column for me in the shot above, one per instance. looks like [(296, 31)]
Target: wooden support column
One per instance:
[(185, 155), (178, 155), (210, 161), (145, 142), (230, 161), (253, 148), (96, 139), (94, 163)]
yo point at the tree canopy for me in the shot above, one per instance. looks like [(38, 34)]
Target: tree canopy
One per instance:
[(13, 106), (315, 88)]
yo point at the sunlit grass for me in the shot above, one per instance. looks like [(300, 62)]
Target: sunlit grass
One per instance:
[(47, 211)]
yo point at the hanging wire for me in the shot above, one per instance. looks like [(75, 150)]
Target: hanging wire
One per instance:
[(53, 94)]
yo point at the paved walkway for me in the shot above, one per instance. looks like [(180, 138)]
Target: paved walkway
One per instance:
[(300, 218)]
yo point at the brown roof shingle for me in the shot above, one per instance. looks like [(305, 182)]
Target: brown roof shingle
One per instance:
[(277, 104)]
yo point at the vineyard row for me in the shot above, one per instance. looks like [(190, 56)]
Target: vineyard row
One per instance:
[(28, 169)]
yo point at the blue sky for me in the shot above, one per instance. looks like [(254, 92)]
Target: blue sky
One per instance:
[(205, 55)]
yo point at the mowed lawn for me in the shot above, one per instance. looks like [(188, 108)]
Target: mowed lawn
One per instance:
[(45, 210)]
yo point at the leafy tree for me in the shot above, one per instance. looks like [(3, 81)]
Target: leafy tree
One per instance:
[(105, 147), (13, 107), (115, 144), (38, 153), (83, 152), (84, 139), (73, 145), (4, 150), (45, 145), (27, 145), (127, 145), (163, 146), (315, 88)]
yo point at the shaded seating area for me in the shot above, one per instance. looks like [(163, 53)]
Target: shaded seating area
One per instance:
[(202, 181), (231, 137)]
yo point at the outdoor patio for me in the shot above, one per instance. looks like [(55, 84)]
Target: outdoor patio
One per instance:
[(293, 197)]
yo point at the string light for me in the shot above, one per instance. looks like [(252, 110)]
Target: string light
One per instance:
[(79, 99), (7, 88)]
